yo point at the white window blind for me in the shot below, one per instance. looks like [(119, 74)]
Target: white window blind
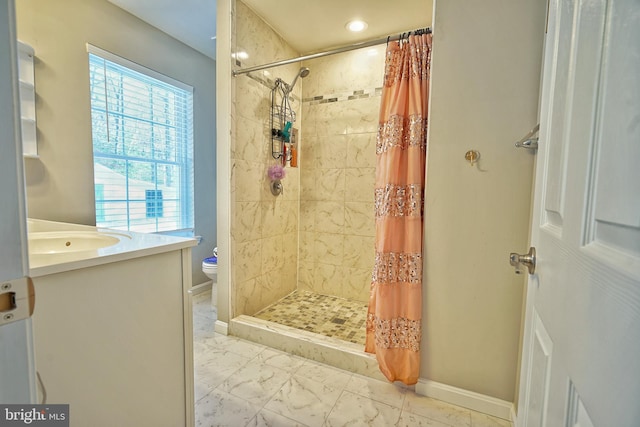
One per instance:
[(142, 131)]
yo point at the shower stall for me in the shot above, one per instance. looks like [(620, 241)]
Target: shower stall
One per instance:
[(302, 260), (275, 244)]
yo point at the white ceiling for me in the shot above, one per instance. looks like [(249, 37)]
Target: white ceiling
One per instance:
[(193, 22), (307, 25), (312, 25)]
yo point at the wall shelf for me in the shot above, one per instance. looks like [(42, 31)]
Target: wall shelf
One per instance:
[(26, 73)]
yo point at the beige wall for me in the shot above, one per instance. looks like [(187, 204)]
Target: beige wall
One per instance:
[(60, 183), (341, 102), (264, 227), (485, 79)]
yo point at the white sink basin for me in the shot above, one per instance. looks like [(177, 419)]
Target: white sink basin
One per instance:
[(61, 242)]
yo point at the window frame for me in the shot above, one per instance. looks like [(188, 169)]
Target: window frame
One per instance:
[(186, 216)]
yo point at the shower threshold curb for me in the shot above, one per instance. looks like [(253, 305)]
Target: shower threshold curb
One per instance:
[(331, 351)]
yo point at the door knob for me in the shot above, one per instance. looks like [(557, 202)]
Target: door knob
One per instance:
[(529, 260)]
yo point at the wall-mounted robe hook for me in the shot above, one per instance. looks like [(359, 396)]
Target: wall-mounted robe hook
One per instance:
[(472, 156)]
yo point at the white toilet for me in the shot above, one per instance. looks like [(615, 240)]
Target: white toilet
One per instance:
[(210, 269)]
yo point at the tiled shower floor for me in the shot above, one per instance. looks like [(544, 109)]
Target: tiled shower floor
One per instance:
[(323, 314)]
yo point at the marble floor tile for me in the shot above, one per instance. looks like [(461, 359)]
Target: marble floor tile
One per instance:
[(437, 410), (213, 369), (203, 310), (381, 391), (407, 419), (223, 409), (324, 374), (483, 420), (228, 343), (280, 359), (201, 305), (200, 390), (203, 327), (200, 298), (266, 418), (256, 382), (204, 315), (304, 400), (352, 409), (241, 383)]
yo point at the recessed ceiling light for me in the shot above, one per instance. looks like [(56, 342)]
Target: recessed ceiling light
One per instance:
[(356, 25)]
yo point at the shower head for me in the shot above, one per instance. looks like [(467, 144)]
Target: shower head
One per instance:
[(304, 72)]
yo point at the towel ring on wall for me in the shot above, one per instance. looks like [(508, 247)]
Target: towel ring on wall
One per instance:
[(472, 156)]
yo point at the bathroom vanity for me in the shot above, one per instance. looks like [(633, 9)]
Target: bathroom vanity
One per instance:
[(112, 324)]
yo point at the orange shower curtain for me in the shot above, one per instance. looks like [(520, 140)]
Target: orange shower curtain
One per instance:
[(395, 304)]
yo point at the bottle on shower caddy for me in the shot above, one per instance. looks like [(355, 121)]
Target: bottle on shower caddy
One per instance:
[(284, 154), (286, 132), (293, 149)]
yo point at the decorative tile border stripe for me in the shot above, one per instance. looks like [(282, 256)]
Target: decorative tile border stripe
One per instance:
[(321, 99), (345, 96)]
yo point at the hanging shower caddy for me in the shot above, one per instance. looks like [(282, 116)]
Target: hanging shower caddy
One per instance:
[(282, 118)]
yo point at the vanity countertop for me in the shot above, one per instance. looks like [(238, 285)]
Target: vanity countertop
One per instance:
[(121, 245)]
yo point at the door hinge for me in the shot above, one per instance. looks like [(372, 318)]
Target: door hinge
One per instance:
[(17, 300)]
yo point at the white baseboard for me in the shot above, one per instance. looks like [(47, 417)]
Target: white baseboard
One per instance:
[(202, 287), (465, 398), (514, 416), (221, 327)]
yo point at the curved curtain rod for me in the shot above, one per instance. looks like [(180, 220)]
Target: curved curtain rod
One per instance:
[(331, 52)]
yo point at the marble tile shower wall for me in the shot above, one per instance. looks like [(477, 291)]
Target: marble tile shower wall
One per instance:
[(341, 100), (319, 234), (264, 228)]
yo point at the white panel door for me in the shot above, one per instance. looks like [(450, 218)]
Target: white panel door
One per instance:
[(17, 369), (581, 355)]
